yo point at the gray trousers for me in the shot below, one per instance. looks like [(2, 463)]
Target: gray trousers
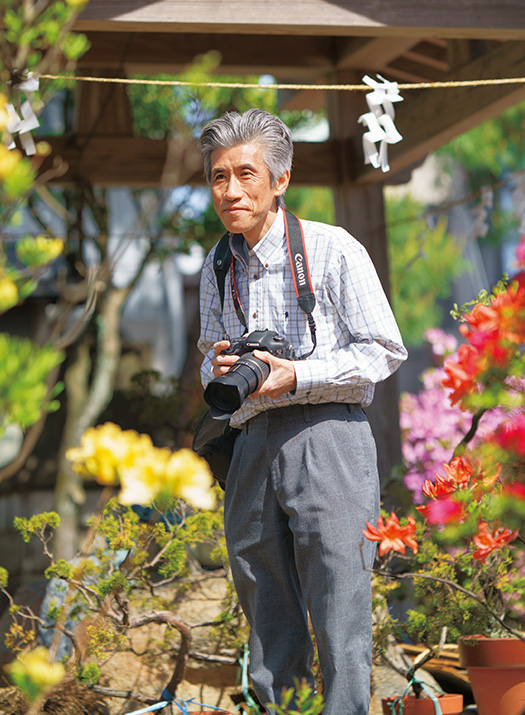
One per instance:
[(302, 484)]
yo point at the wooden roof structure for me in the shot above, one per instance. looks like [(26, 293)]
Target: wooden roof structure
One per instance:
[(307, 42)]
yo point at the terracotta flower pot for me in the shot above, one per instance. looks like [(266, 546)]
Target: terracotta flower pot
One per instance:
[(496, 667), (451, 704)]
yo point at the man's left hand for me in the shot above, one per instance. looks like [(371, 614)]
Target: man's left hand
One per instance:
[(282, 378)]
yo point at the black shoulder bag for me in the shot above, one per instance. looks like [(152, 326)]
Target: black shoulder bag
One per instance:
[(212, 439)]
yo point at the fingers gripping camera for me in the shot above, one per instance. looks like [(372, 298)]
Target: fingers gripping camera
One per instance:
[(226, 393)]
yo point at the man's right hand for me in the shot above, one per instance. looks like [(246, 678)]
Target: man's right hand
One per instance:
[(222, 363)]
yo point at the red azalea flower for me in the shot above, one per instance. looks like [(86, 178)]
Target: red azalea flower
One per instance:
[(459, 471), (462, 374), (486, 476), (511, 435), (487, 541), (515, 490), (482, 318), (439, 489), (444, 511), (391, 535)]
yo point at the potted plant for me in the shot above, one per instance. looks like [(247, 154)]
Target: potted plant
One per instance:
[(467, 561)]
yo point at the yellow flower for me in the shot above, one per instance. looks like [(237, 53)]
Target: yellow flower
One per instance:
[(8, 293), (146, 478), (113, 456), (3, 112), (106, 451), (189, 477), (9, 158), (34, 674)]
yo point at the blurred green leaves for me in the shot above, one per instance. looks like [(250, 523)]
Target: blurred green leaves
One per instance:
[(424, 260), (23, 380)]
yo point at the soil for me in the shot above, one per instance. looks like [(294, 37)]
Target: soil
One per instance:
[(69, 698)]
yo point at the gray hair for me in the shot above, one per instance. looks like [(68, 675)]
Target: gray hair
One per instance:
[(255, 125)]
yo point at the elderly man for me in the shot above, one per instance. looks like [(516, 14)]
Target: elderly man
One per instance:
[(303, 479)]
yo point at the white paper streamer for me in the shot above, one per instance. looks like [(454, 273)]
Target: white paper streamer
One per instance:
[(380, 121), (480, 214), (27, 122)]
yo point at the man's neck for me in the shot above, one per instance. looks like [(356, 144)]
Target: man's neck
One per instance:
[(258, 232)]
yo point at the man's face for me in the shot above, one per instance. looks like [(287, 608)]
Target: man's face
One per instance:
[(241, 191)]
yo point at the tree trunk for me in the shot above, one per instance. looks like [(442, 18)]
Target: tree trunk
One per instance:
[(86, 400)]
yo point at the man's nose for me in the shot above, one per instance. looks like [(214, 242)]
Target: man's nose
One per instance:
[(233, 188)]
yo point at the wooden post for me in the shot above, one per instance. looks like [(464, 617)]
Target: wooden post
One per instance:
[(360, 209)]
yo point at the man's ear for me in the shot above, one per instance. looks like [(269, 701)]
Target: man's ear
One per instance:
[(282, 183)]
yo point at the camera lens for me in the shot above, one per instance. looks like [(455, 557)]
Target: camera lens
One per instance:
[(226, 393)]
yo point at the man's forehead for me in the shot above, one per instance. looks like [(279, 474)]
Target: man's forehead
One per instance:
[(248, 154)]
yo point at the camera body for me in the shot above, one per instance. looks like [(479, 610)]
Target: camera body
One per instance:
[(267, 340), (226, 393)]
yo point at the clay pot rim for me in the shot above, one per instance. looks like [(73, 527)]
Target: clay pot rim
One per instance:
[(454, 700), (484, 651)]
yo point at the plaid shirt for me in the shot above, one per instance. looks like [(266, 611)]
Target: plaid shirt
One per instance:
[(358, 341)]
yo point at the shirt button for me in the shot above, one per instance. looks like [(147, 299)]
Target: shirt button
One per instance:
[(266, 265), (254, 315)]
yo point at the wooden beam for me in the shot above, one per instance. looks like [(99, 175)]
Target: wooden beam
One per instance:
[(102, 108), (300, 57), (361, 53), (447, 18), (430, 118), (138, 162)]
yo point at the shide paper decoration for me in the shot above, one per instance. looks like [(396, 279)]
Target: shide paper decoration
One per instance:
[(481, 212), (23, 125), (380, 121), (518, 201)]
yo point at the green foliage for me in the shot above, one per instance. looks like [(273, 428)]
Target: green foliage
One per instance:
[(33, 29), (491, 148), (36, 525), (311, 203), (423, 263), (53, 611), (104, 639), (174, 560), (17, 182), (119, 525), (89, 674), (300, 700), (23, 390), (484, 297), (489, 152), (37, 252), (4, 577), (60, 569), (439, 605), (116, 583), (158, 111)]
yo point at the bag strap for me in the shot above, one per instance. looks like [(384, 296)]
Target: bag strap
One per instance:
[(221, 264)]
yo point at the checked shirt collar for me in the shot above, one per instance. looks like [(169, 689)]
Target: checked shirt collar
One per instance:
[(268, 250)]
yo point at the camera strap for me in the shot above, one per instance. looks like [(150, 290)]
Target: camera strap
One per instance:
[(300, 273)]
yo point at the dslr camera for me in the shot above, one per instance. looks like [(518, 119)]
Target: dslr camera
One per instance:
[(226, 393)]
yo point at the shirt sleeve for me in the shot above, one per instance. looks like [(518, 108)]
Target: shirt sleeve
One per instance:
[(212, 327), (375, 348)]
